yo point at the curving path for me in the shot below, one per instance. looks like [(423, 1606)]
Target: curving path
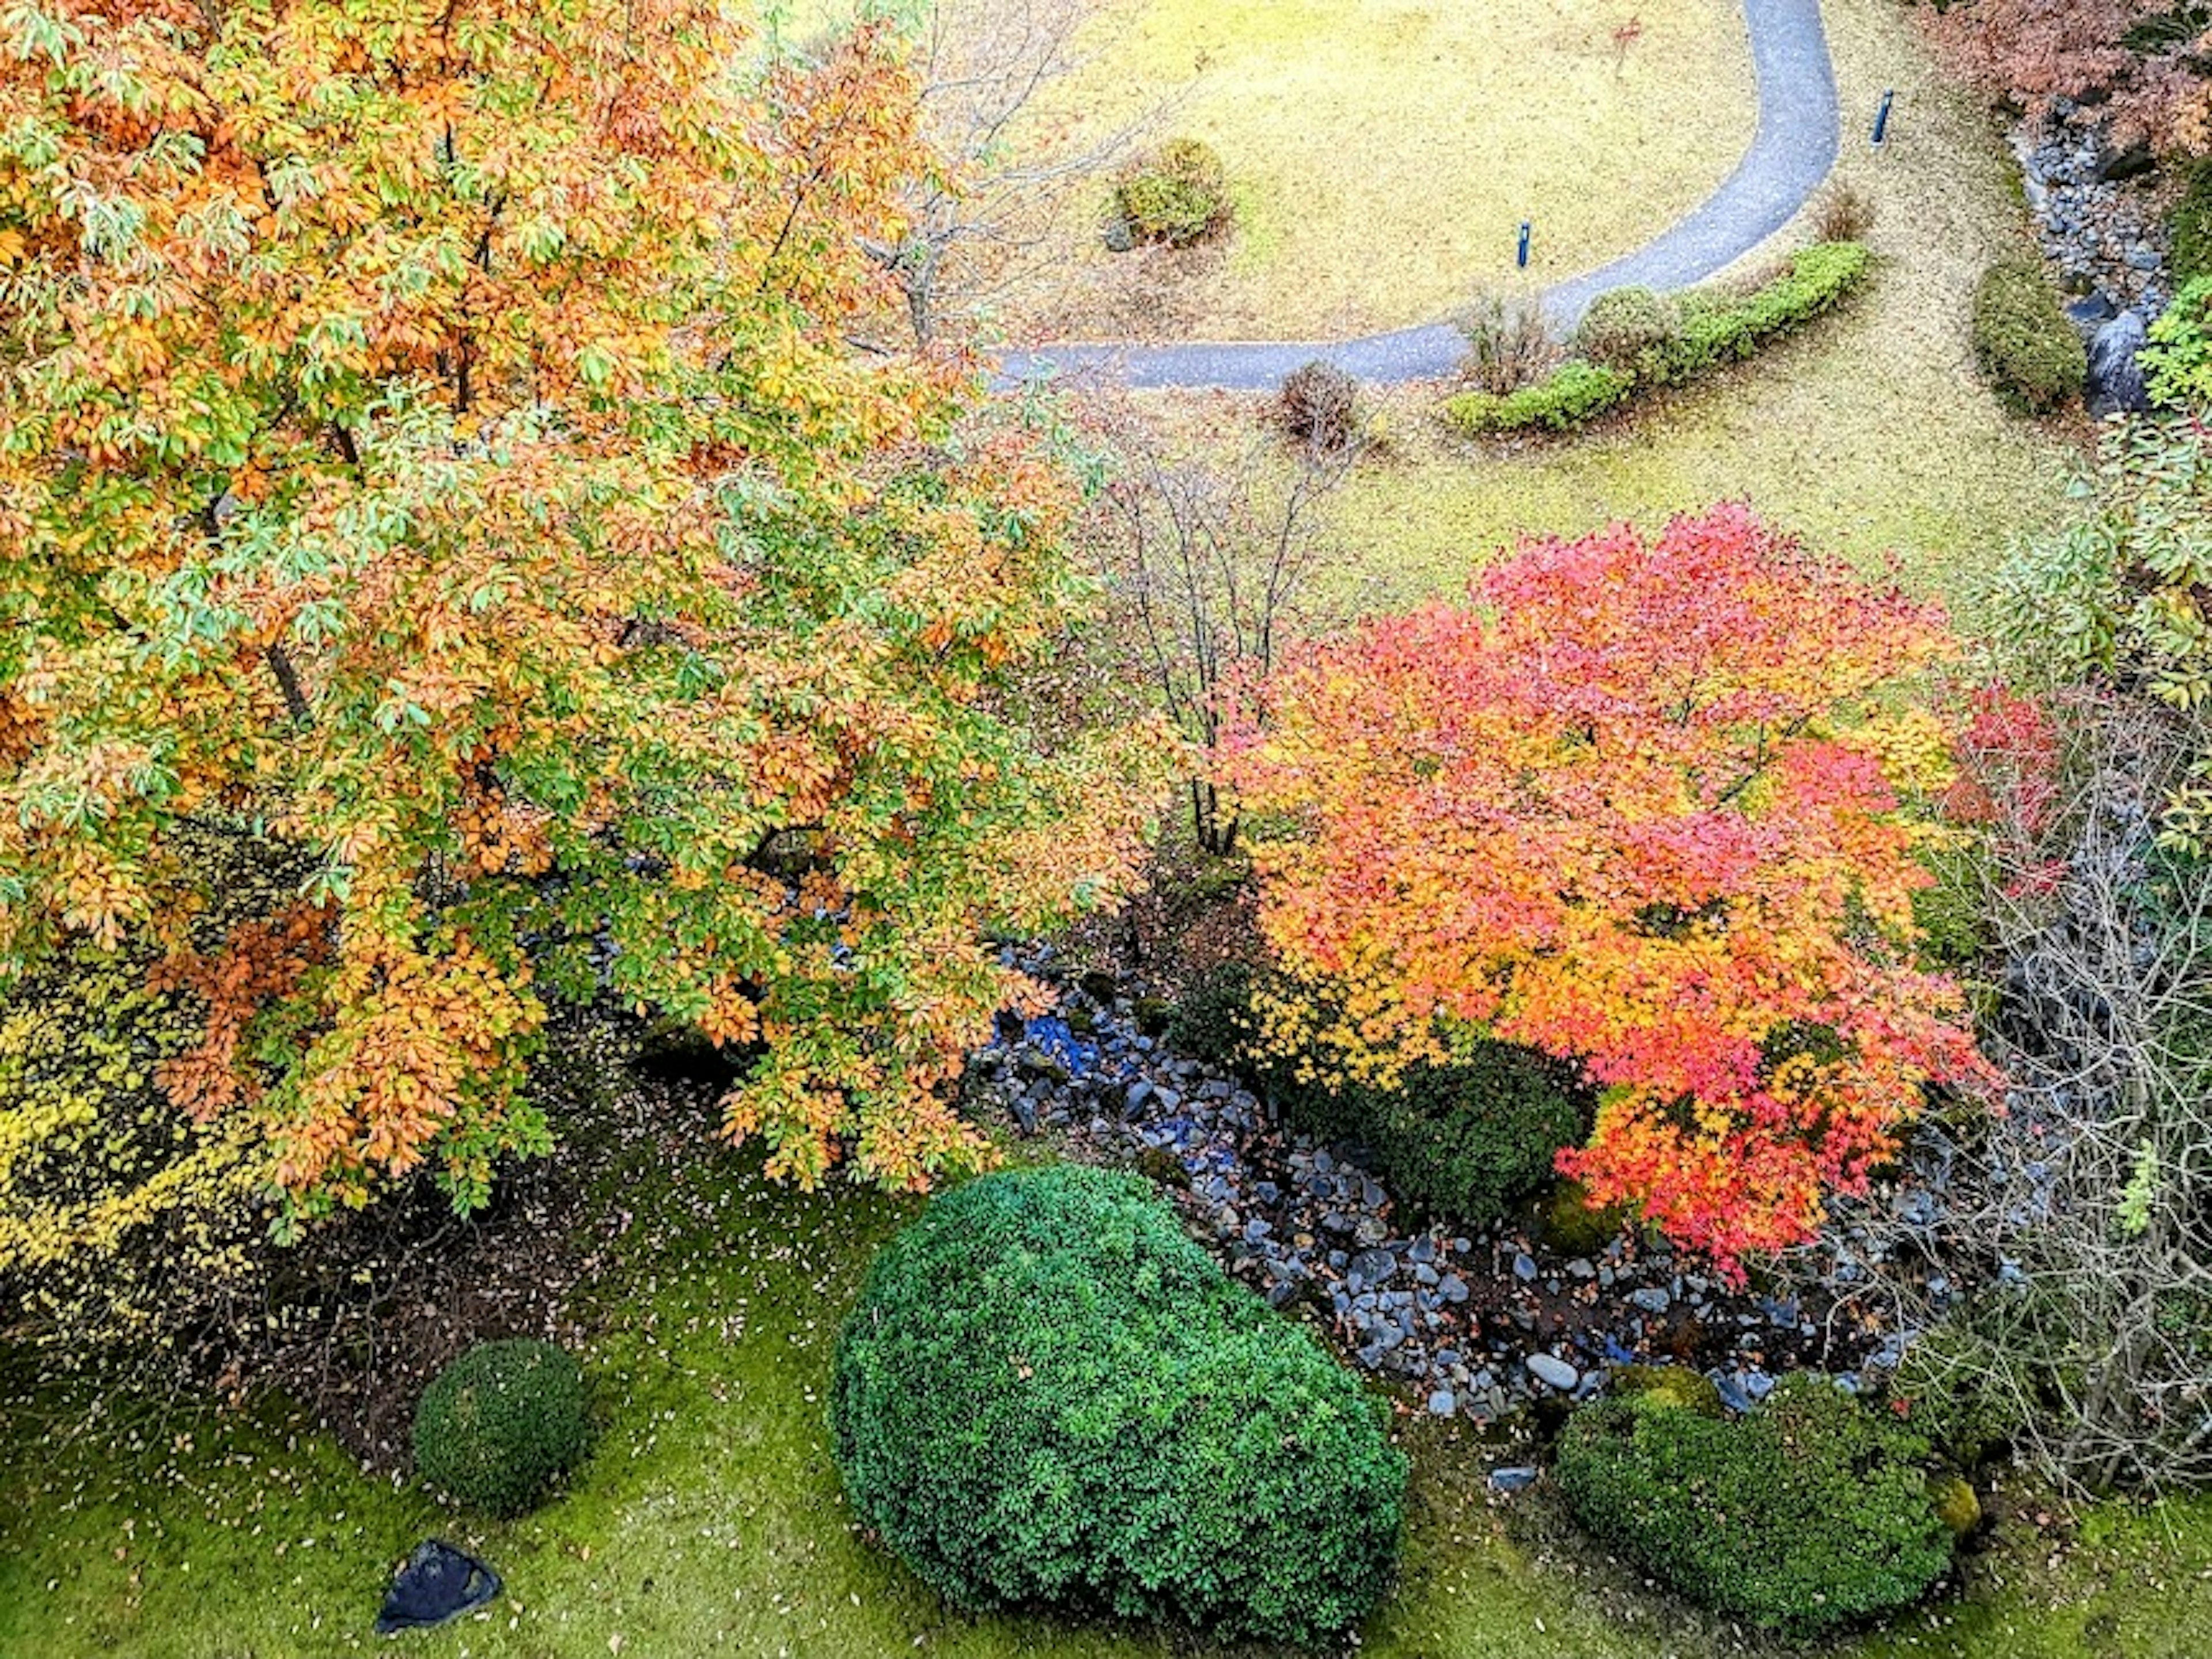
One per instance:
[(1796, 142)]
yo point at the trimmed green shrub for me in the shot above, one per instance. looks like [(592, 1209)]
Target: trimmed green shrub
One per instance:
[(1672, 1388), (2177, 362), (1467, 1139), (1720, 327), (1568, 1223), (1640, 338), (1177, 195), (500, 1424), (1576, 393), (1809, 1513), (2023, 340), (1048, 1396), (1629, 329), (2191, 225)]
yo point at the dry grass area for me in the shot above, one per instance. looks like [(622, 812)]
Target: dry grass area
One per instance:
[(1383, 152), (1871, 434)]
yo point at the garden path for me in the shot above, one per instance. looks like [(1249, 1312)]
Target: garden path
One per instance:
[(1797, 139)]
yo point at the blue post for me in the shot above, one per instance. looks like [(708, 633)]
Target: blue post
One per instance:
[(1522, 259), (1881, 116)]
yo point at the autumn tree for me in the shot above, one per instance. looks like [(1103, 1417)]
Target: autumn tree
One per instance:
[(428, 447), (1637, 805), (2140, 59)]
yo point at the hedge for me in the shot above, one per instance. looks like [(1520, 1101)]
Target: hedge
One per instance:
[(499, 1424), (2023, 339), (1648, 340)]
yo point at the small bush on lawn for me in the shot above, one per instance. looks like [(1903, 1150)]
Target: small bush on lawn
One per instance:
[(1466, 1139), (1629, 329), (1841, 213), (2177, 363), (2023, 340), (2191, 224), (1508, 345), (1574, 396), (1318, 410), (500, 1424), (1809, 1513), (1177, 195), (1048, 1396)]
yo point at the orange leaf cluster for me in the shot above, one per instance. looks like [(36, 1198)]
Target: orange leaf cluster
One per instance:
[(1627, 806)]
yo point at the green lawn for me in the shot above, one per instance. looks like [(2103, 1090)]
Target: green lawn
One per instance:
[(708, 1520), (1871, 434), (1383, 151)]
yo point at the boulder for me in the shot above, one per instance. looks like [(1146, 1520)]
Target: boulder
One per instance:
[(2116, 380)]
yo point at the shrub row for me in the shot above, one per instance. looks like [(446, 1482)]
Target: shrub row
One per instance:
[(1048, 1396), (1634, 337)]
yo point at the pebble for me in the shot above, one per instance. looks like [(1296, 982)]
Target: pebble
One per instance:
[(1556, 1372)]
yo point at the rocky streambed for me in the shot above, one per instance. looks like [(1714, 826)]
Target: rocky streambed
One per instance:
[(1476, 1322)]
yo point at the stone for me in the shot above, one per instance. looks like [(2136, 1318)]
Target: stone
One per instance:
[(1442, 1404), (1454, 1288), (1549, 1369), (2117, 163), (2116, 379), (2092, 309), (1651, 1299), (1513, 1479), (1524, 1267), (1373, 1267)]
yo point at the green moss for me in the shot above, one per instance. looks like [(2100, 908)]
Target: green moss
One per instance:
[(1675, 1388), (2023, 339)]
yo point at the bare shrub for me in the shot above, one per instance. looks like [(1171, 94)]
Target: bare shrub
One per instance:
[(1508, 343), (1841, 213), (1318, 410)]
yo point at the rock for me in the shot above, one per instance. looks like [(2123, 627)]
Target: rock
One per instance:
[(1025, 1114), (1442, 1404), (1548, 1369), (1524, 1267), (2116, 380), (1134, 1101), (1514, 1479), (1651, 1299), (2092, 309), (1120, 239), (1373, 1267), (2117, 164), (1454, 1288), (2143, 257), (1039, 1063)]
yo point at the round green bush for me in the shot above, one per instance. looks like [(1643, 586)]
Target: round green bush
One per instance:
[(1809, 1513), (500, 1424), (1631, 330), (2023, 339), (1048, 1396), (1468, 1140), (1177, 195)]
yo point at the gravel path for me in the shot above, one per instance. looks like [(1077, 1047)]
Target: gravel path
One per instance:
[(1795, 144)]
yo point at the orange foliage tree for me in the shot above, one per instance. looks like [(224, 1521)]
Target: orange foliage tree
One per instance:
[(429, 439), (1637, 805)]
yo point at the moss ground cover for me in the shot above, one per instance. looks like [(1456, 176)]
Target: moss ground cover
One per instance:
[(709, 1520)]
